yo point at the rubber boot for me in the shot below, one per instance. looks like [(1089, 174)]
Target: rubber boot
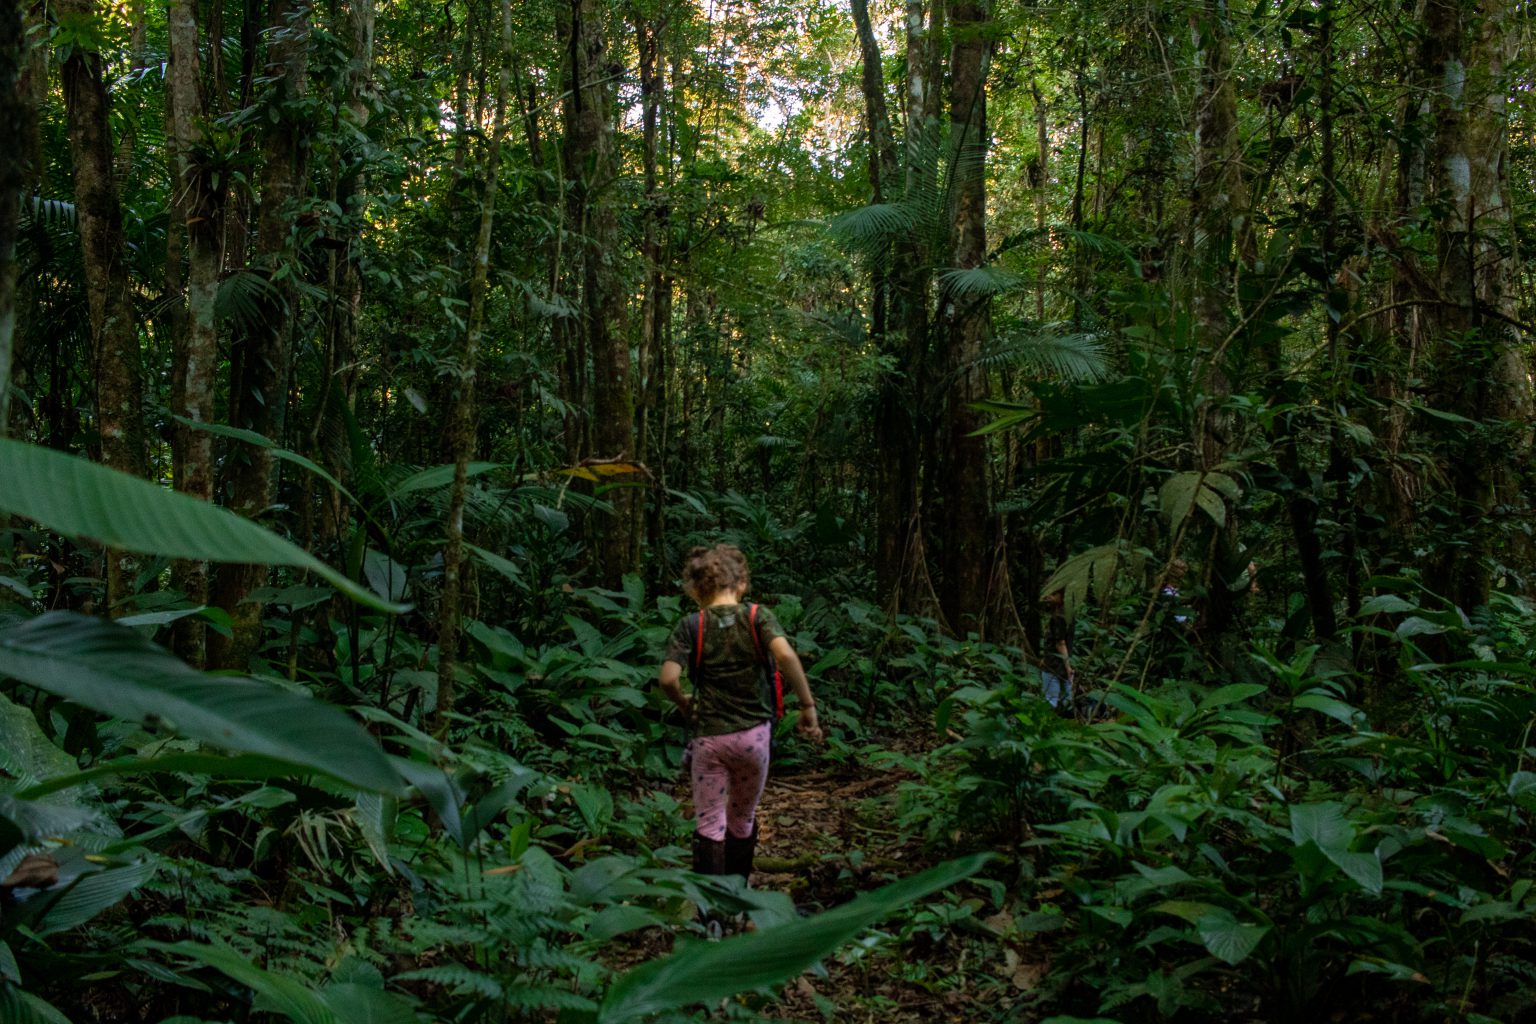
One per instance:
[(739, 854), (709, 859), (708, 855)]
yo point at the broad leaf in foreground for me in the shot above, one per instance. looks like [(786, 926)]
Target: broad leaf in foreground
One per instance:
[(708, 973), (83, 499), (116, 671)]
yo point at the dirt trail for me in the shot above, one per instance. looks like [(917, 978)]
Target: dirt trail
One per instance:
[(825, 836)]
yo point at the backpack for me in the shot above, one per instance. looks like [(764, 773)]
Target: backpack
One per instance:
[(773, 679)]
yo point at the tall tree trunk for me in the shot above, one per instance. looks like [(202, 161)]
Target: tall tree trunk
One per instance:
[(1481, 370), (339, 377), (1217, 226), (894, 476), (15, 120), (655, 306), (116, 356), (260, 358), (589, 163), (201, 202), (903, 415), (1303, 498), (967, 549), (463, 430)]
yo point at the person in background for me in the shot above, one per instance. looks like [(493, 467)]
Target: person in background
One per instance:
[(730, 712), (1056, 672)]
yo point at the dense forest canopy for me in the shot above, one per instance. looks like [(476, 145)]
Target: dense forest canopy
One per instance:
[(367, 371)]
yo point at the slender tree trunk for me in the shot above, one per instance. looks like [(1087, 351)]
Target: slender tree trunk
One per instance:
[(117, 359), (892, 426), (15, 118), (1218, 211), (339, 379), (1482, 372), (259, 371), (655, 305), (967, 319), (589, 161), (1398, 360), (464, 415), (201, 203), (1040, 178), (1303, 499)]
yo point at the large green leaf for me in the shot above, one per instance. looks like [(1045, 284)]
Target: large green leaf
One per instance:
[(275, 992), (1363, 868), (1326, 825), (116, 671), (1323, 824), (260, 441), (18, 1007), (59, 910), (83, 499), (1091, 571), (28, 821), (241, 766), (1228, 938), (709, 973), (25, 752), (1208, 491), (436, 477), (363, 1004)]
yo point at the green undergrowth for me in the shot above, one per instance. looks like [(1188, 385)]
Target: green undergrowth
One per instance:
[(1264, 850), (1301, 831), (232, 849)]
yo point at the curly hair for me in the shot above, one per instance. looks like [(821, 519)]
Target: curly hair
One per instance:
[(708, 571)]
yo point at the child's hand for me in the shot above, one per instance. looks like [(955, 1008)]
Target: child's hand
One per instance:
[(808, 725)]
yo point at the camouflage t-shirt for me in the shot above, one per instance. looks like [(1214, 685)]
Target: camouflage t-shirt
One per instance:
[(728, 686)]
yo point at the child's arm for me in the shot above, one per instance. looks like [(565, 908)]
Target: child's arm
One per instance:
[(670, 679), (789, 664)]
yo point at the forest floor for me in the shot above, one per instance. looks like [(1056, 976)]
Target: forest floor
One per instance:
[(829, 833)]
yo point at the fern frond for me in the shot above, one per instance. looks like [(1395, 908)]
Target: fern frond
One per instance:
[(458, 978), (547, 997), (433, 933), (543, 956)]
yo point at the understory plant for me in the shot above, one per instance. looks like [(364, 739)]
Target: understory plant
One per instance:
[(1266, 850)]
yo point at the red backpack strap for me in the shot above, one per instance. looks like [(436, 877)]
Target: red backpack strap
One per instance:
[(698, 643), (771, 665)]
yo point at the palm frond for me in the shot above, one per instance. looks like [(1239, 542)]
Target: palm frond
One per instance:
[(872, 226), (246, 298), (1078, 356), (52, 214), (978, 282), (538, 304), (1102, 245)]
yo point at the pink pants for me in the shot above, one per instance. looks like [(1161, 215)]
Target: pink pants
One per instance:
[(728, 776)]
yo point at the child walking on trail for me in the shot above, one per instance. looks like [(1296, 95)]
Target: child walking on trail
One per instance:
[(726, 647)]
